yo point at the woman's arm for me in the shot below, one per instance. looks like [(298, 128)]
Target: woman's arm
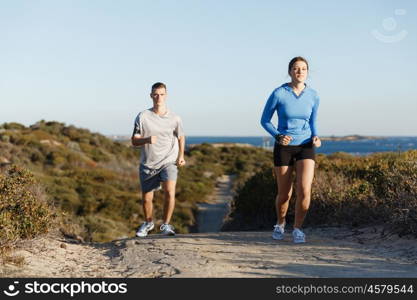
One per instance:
[(267, 114), (313, 117), (313, 122), (270, 108)]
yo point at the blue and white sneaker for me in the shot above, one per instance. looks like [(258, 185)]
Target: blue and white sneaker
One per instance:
[(167, 229), (144, 229), (298, 236), (278, 233)]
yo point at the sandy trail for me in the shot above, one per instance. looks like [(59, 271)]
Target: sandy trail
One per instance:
[(329, 252), (211, 215)]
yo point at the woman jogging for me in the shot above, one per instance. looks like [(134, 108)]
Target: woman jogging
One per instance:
[(295, 139)]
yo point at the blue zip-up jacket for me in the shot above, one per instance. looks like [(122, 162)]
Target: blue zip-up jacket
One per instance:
[(297, 115)]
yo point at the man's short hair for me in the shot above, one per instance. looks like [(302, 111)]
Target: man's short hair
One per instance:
[(158, 85)]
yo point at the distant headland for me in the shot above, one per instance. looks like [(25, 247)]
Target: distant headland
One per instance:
[(354, 137)]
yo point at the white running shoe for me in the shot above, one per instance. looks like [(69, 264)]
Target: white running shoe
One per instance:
[(167, 229), (299, 236), (144, 229), (278, 233)]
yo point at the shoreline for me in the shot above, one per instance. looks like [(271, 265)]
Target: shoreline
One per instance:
[(353, 137)]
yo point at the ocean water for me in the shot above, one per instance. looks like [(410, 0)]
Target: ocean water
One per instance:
[(358, 147)]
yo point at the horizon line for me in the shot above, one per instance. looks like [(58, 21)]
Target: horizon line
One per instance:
[(261, 136)]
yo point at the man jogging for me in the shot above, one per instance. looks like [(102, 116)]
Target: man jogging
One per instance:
[(160, 134)]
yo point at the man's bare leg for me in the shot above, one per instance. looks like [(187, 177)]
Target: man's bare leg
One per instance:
[(169, 190), (147, 203)]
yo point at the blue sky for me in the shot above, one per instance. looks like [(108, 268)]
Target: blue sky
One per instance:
[(91, 63)]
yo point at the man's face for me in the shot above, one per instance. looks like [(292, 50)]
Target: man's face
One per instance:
[(158, 96)]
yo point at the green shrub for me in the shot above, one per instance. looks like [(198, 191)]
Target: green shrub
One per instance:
[(24, 212), (349, 190), (89, 176)]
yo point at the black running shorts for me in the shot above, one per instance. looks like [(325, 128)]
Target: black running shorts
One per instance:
[(286, 155)]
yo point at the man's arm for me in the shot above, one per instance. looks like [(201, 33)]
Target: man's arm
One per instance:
[(138, 140), (181, 144)]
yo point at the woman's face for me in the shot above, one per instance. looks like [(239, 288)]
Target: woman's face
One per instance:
[(299, 71)]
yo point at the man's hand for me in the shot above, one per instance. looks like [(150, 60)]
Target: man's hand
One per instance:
[(180, 161), (152, 139), (284, 139), (316, 141)]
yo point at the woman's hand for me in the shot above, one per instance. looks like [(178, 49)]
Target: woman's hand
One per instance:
[(316, 141), (284, 139)]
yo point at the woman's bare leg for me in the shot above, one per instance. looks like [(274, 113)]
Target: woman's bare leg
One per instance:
[(305, 175), (283, 176)]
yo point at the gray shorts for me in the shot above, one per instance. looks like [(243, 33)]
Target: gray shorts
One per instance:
[(150, 179)]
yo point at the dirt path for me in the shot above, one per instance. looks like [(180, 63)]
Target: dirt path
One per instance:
[(329, 252), (211, 215)]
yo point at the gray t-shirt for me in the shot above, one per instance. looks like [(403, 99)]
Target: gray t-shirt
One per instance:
[(167, 129)]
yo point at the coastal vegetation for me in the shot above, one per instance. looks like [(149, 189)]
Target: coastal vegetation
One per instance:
[(92, 181), (379, 189), (24, 208), (58, 176)]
